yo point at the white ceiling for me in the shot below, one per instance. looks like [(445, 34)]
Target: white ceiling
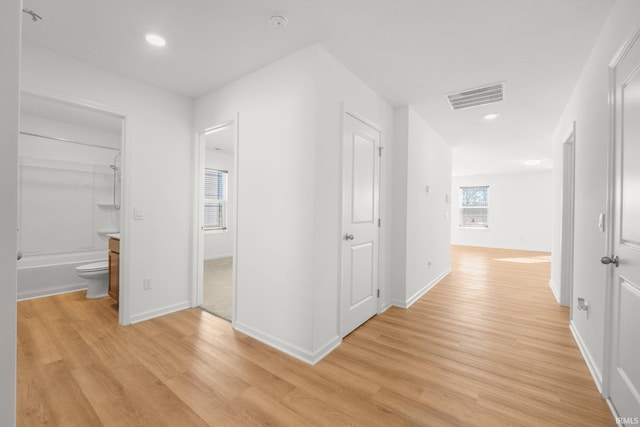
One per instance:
[(410, 51)]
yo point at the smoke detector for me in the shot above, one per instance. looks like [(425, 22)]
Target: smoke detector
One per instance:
[(476, 97), (278, 22)]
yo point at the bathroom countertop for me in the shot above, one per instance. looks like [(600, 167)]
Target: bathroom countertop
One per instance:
[(114, 236)]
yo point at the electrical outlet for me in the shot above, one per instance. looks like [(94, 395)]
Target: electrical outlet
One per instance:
[(146, 283)]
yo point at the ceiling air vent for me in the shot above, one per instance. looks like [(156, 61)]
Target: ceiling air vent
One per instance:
[(476, 97)]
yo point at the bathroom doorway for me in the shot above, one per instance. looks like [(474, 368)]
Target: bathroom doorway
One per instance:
[(217, 159), (70, 176)]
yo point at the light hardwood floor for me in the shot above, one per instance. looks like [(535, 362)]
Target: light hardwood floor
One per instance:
[(488, 346)]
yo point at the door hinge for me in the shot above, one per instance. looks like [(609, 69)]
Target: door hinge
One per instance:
[(380, 151), (379, 222), (378, 293)]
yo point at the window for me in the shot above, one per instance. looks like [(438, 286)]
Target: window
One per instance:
[(215, 199), (474, 206)]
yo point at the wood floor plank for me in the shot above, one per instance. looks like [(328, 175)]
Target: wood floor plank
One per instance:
[(72, 408), (158, 405), (487, 346), (108, 396)]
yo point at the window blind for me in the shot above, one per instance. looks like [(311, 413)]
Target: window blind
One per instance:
[(474, 206), (215, 199)]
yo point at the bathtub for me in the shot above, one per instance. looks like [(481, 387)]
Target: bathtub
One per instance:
[(44, 275)]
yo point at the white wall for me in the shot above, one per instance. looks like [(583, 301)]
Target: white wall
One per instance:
[(519, 211), (421, 255), (219, 244), (588, 107), (274, 265), (157, 177), (290, 116), (339, 89), (10, 18)]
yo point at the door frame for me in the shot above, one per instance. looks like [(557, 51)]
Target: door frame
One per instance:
[(126, 221), (611, 214), (348, 110), (197, 292), (567, 215)]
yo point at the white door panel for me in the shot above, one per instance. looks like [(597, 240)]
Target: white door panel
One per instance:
[(624, 368), (631, 160), (362, 277), (360, 175), (364, 165)]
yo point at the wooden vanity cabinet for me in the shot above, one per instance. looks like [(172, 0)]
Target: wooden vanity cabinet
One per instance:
[(114, 269)]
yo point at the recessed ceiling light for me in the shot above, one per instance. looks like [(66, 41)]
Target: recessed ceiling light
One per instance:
[(155, 39), (532, 162), (491, 116)]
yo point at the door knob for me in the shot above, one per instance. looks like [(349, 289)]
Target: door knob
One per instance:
[(348, 236), (19, 255), (610, 260)]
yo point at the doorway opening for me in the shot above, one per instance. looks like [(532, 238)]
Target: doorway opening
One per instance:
[(217, 189), (70, 195)]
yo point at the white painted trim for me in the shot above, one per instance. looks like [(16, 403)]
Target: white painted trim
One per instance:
[(353, 113), (197, 294), (325, 349), (416, 296), (198, 241), (126, 224), (51, 292), (570, 134), (554, 292), (236, 223), (567, 215), (71, 100), (613, 410), (293, 350), (386, 306), (593, 368), (152, 314)]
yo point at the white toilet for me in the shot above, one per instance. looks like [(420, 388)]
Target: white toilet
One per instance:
[(97, 274)]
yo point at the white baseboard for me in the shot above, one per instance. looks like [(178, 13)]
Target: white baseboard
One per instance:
[(416, 296), (554, 292), (593, 368), (614, 411), (140, 317), (51, 292), (310, 357), (385, 306), (327, 348)]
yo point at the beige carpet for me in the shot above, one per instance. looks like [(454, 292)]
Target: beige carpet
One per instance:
[(218, 285)]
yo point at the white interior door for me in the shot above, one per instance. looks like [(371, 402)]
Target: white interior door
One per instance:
[(361, 165), (624, 370)]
